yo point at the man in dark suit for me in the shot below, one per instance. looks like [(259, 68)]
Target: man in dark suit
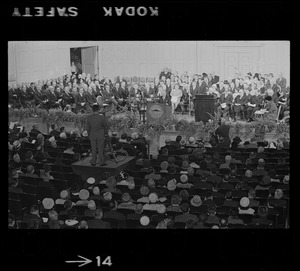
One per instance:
[(25, 96), (53, 100), (39, 96), (80, 101), (90, 97), (214, 78), (97, 223), (67, 98), (97, 128)]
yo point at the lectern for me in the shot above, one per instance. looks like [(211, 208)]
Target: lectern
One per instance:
[(157, 112), (204, 104)]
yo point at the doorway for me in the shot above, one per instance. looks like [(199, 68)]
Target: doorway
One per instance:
[(85, 59)]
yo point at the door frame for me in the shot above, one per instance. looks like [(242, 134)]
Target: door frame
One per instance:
[(96, 65)]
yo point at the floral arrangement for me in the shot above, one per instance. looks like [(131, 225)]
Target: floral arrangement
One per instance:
[(131, 122)]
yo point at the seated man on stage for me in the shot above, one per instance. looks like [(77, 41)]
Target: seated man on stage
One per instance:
[(225, 100), (26, 96), (253, 104), (68, 99), (116, 94), (53, 101), (123, 92), (39, 96), (176, 95), (80, 101), (107, 98), (239, 105), (90, 98)]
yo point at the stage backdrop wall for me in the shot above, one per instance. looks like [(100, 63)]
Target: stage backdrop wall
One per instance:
[(33, 60)]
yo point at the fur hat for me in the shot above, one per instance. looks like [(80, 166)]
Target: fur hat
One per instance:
[(196, 201)]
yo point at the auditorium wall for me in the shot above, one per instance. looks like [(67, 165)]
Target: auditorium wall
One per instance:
[(33, 60)]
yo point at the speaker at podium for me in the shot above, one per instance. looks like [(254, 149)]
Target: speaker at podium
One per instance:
[(204, 104)]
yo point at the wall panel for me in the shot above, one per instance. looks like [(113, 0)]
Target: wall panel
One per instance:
[(32, 59)]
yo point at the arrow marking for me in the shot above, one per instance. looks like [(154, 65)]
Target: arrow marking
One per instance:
[(86, 261)]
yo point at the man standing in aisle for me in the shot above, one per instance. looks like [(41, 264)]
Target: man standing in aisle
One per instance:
[(97, 127)]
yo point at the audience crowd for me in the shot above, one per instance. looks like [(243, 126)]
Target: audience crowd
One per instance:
[(194, 184), (242, 97)]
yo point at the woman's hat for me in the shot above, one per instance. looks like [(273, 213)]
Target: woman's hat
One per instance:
[(278, 194), (153, 197), (171, 185), (184, 178), (48, 203), (185, 164), (64, 194), (161, 209), (96, 190), (139, 208), (63, 135), (125, 197), (184, 194), (196, 201), (84, 133), (91, 205), (107, 196), (144, 220), (286, 179), (91, 180), (52, 139), (71, 222), (84, 194), (131, 184), (190, 170), (164, 165), (248, 173), (244, 202), (175, 199), (194, 165), (151, 183), (144, 190)]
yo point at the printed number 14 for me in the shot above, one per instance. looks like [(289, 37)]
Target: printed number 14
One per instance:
[(107, 261)]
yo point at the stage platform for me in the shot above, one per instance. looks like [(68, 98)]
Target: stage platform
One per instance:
[(86, 170)]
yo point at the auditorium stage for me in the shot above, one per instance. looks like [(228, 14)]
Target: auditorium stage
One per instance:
[(85, 170)]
